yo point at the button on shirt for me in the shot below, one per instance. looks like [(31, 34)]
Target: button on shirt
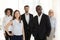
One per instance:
[(5, 21), (27, 18), (39, 18)]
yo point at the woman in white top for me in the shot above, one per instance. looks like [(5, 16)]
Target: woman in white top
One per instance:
[(17, 27), (53, 24), (6, 19)]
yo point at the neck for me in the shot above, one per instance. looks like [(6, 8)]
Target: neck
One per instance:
[(39, 14), (26, 13), (8, 15), (17, 18)]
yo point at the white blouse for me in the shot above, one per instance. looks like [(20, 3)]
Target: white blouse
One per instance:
[(17, 27), (5, 21)]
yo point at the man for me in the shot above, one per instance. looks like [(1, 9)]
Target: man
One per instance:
[(53, 24), (27, 18), (41, 25)]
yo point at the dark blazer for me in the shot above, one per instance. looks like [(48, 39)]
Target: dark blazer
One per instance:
[(43, 29), (27, 27)]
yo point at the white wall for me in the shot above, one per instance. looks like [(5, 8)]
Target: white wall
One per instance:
[(19, 4)]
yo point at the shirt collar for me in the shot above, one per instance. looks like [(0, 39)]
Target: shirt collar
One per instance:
[(8, 16), (40, 15), (26, 14)]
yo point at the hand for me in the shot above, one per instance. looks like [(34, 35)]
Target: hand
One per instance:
[(4, 34), (53, 36), (10, 34)]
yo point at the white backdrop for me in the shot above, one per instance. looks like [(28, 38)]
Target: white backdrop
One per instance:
[(19, 4)]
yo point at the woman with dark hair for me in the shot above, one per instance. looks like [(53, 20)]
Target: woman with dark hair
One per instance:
[(17, 27), (6, 19)]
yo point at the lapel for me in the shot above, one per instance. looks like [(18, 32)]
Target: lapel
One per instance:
[(25, 19), (29, 18), (40, 20), (37, 19)]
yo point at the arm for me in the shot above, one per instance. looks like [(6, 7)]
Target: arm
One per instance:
[(23, 34), (3, 25), (23, 31), (48, 26), (7, 26)]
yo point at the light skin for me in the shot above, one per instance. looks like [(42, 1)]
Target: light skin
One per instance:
[(10, 23), (8, 12), (26, 10), (51, 13)]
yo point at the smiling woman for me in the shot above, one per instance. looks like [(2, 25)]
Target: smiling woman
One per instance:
[(19, 4)]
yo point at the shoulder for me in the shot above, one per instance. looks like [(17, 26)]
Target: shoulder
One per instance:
[(31, 14), (4, 17), (35, 17), (22, 14), (45, 16)]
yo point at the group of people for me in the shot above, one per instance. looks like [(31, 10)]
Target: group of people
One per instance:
[(20, 27)]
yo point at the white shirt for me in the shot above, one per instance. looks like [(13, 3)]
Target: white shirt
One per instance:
[(17, 27), (5, 21), (39, 18), (53, 22), (27, 18)]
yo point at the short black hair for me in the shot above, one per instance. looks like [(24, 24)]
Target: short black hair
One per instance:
[(11, 10), (38, 6), (26, 6)]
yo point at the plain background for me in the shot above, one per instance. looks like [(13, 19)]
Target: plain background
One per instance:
[(19, 4)]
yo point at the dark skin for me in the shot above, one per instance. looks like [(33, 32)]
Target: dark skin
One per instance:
[(39, 10)]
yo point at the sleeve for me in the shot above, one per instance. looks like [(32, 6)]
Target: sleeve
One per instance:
[(48, 26), (3, 25)]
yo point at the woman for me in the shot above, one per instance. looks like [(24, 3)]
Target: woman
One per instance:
[(53, 24), (6, 19), (17, 27)]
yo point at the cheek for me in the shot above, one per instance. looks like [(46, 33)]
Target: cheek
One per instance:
[(8, 13)]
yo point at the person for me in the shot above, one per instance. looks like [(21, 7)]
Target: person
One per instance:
[(53, 24), (27, 18), (41, 25), (6, 19), (17, 27)]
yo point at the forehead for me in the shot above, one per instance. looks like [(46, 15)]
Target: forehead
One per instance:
[(38, 7), (8, 10)]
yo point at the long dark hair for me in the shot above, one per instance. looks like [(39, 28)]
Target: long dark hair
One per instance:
[(15, 17)]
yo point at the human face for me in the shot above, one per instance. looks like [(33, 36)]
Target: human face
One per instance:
[(8, 12), (51, 13), (26, 9), (39, 10), (17, 14)]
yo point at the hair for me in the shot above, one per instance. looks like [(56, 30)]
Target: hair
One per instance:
[(11, 10), (15, 17), (38, 6), (26, 6)]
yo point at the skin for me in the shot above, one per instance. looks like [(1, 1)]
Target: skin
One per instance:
[(26, 10), (8, 12), (51, 13), (17, 14), (39, 10)]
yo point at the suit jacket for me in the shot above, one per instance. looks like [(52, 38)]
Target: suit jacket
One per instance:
[(43, 29), (27, 27)]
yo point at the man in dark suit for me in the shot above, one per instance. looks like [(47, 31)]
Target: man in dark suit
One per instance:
[(41, 25), (27, 18)]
